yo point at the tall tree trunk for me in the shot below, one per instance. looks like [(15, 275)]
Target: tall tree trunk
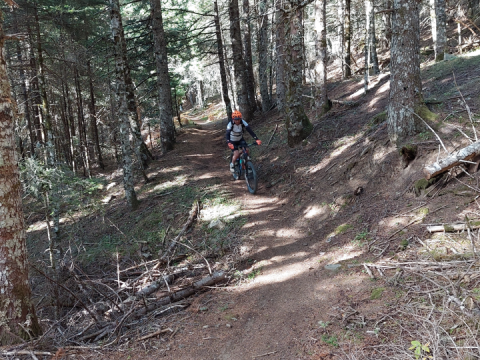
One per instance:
[(372, 39), (82, 128), (459, 30), (341, 31), (93, 118), (167, 128), (200, 94), (140, 149), (66, 128), (271, 62), (347, 71), (25, 89), (122, 108), (298, 124), (322, 104), (263, 54), (35, 90), (221, 61), (238, 61), (405, 98), (280, 46), (387, 23), (247, 35), (17, 314), (439, 31), (71, 124), (47, 117)]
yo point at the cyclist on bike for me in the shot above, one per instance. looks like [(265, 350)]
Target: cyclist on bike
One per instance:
[(234, 136)]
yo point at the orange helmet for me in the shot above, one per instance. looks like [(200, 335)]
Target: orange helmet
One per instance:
[(236, 115)]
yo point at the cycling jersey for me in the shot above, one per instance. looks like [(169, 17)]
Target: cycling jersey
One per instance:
[(235, 132)]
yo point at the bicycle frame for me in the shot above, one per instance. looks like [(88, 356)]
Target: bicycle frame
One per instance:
[(245, 167), (243, 156)]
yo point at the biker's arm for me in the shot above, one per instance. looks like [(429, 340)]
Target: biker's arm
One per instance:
[(229, 130), (249, 129)]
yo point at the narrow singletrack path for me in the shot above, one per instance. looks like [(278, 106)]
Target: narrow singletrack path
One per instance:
[(276, 312)]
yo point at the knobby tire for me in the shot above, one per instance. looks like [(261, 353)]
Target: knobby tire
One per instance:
[(251, 177)]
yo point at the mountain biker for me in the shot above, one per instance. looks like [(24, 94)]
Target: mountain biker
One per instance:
[(234, 136)]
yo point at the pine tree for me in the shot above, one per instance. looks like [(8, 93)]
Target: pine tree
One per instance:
[(406, 103), (298, 124), (17, 315)]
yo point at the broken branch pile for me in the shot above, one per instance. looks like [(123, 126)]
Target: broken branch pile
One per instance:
[(127, 304)]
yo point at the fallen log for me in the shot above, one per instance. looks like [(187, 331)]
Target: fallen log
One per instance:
[(465, 154), (344, 102), (216, 277), (454, 227)]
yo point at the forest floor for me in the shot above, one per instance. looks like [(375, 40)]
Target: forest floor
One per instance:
[(330, 259)]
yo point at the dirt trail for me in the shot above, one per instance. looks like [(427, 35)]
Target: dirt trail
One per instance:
[(276, 313)]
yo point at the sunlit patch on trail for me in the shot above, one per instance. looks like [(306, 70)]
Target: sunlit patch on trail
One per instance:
[(289, 233), (345, 253), (172, 169), (220, 211), (255, 224), (342, 145), (315, 211), (206, 176), (178, 181)]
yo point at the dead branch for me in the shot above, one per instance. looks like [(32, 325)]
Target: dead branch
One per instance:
[(453, 227), (271, 137), (154, 286), (466, 107), (66, 289), (430, 128), (26, 352), (158, 332), (216, 277), (467, 153), (347, 103), (193, 215)]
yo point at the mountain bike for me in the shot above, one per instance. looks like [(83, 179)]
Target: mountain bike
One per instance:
[(244, 166)]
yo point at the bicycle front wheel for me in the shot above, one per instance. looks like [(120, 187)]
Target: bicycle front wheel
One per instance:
[(251, 177)]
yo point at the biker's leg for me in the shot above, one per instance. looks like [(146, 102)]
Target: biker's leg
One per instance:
[(236, 155)]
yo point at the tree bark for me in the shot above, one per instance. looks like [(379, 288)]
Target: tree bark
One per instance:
[(440, 43), (47, 117), (238, 61), (321, 98), (387, 23), (280, 52), (82, 129), (140, 149), (167, 128), (298, 124), (93, 119), (372, 39), (347, 71), (263, 55), (405, 98), (122, 107), (341, 31), (247, 36), (17, 315), (221, 61)]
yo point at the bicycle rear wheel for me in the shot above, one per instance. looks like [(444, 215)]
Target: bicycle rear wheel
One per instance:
[(251, 177)]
